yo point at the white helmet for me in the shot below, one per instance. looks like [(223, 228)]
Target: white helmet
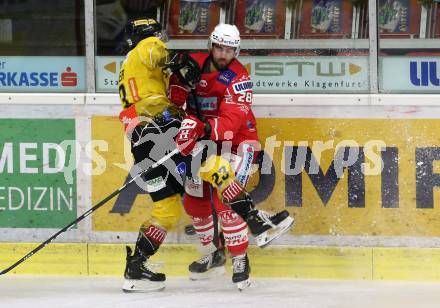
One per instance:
[(227, 35)]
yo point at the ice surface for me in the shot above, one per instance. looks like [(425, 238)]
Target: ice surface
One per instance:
[(96, 292)]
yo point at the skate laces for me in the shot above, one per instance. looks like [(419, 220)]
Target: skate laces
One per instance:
[(205, 259), (239, 264), (152, 266), (265, 217)]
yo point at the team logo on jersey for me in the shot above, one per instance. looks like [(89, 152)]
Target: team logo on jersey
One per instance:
[(167, 116), (242, 86), (226, 77), (208, 103), (155, 184), (181, 168)]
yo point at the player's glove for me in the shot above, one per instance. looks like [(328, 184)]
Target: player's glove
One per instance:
[(177, 93), (191, 130), (186, 69)]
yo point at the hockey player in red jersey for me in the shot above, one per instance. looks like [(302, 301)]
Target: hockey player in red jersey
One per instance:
[(219, 111)]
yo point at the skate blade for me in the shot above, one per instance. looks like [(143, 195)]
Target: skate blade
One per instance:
[(135, 285), (243, 284), (265, 238), (213, 272)]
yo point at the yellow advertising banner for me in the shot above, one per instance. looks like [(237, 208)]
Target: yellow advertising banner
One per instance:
[(387, 187), (335, 176)]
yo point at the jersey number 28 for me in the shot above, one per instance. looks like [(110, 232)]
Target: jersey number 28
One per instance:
[(245, 97)]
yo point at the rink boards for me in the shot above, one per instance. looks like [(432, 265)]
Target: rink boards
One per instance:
[(355, 263), (353, 170)]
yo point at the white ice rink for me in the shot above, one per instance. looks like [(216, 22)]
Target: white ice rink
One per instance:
[(42, 292)]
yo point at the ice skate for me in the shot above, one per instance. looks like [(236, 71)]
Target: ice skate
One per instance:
[(139, 277), (209, 266), (241, 270), (266, 228)]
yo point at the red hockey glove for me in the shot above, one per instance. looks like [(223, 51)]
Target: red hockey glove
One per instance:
[(192, 129), (177, 93)]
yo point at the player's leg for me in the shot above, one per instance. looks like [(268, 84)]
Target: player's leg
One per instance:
[(235, 231), (213, 254), (165, 214), (165, 191), (263, 226)]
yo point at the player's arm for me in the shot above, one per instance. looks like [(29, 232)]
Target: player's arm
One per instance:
[(232, 115), (185, 76)]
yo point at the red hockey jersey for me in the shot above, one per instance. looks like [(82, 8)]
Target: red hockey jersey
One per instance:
[(225, 99)]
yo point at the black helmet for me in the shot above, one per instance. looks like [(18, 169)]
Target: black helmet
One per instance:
[(139, 29)]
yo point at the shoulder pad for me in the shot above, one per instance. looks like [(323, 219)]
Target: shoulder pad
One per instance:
[(238, 68)]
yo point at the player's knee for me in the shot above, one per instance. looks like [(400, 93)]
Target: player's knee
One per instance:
[(167, 212), (198, 207), (217, 171)]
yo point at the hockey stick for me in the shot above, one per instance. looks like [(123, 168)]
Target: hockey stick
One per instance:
[(87, 213)]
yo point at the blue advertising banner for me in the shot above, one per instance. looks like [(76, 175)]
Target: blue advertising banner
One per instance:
[(42, 74), (410, 74)]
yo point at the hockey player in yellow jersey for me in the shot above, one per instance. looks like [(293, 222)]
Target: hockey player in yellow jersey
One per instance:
[(150, 117), (143, 79)]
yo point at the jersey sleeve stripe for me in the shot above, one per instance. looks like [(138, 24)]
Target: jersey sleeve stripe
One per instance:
[(134, 89), (215, 129)]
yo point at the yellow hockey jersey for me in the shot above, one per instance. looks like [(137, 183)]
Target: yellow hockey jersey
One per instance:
[(143, 80)]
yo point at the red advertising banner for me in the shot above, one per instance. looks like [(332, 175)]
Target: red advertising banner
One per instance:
[(260, 18), (192, 19), (326, 19), (399, 18)]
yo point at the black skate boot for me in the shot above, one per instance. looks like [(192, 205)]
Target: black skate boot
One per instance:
[(266, 228), (241, 270), (208, 266), (140, 278)]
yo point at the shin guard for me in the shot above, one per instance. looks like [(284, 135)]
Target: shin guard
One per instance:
[(235, 232), (204, 227), (149, 239)]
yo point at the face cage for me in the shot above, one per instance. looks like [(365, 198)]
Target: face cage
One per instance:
[(162, 35)]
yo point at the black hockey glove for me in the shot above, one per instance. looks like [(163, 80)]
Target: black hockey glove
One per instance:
[(186, 69)]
